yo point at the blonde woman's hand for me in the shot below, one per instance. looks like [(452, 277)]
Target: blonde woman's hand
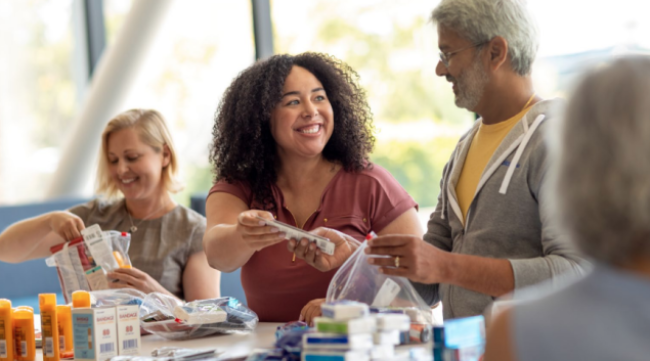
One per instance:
[(255, 233), (344, 246), (134, 278), (66, 225)]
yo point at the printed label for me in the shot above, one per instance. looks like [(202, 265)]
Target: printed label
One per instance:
[(48, 334), (386, 293), (49, 347), (83, 335), (129, 344), (23, 348), (61, 342), (106, 347), (3, 349), (97, 279)]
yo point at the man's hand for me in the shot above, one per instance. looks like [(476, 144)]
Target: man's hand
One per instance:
[(344, 246), (418, 260)]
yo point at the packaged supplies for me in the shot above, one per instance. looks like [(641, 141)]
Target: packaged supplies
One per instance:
[(128, 329), (358, 325), (157, 317), (24, 336), (344, 310), (6, 331), (392, 297), (64, 320), (80, 299), (200, 314), (94, 333), (117, 297), (49, 326), (316, 340), (83, 262)]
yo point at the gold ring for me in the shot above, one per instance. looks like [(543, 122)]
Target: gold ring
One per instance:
[(396, 261)]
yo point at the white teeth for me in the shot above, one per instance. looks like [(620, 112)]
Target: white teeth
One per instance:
[(311, 130), (127, 181)]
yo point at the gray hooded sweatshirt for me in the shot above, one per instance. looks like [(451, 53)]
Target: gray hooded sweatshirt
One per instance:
[(508, 218)]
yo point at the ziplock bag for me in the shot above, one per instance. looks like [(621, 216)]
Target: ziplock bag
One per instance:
[(117, 297), (159, 314), (356, 280), (82, 264)]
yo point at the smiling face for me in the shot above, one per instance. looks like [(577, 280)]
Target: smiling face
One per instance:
[(303, 121), (466, 72), (136, 167)]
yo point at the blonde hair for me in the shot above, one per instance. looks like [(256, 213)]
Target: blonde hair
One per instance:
[(152, 130)]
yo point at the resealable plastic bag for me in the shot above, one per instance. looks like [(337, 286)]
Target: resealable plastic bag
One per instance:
[(79, 269), (168, 317), (356, 280)]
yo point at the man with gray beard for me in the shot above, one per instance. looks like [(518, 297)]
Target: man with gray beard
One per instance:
[(490, 233)]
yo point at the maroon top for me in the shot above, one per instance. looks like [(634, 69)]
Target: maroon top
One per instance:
[(354, 203)]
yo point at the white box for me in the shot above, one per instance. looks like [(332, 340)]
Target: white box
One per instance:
[(94, 331), (128, 330)]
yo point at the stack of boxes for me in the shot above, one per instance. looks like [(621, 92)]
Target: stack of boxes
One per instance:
[(348, 332), (104, 332), (461, 339)]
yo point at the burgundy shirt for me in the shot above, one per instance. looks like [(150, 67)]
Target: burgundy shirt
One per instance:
[(276, 287)]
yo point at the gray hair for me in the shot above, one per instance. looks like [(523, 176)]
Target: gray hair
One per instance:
[(481, 20), (600, 169)]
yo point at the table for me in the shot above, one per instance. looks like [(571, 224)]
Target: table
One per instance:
[(234, 345)]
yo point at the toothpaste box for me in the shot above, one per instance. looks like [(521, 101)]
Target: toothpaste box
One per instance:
[(128, 330), (94, 331)]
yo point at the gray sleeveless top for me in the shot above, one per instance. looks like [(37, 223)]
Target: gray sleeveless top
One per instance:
[(160, 247), (602, 317)]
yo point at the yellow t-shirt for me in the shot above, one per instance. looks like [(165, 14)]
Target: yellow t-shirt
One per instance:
[(485, 143)]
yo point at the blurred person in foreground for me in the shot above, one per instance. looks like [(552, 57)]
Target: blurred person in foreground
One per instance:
[(137, 172), (490, 232), (292, 139), (601, 195)]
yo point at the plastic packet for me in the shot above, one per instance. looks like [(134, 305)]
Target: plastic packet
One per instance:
[(158, 315), (356, 280), (117, 297), (79, 269), (170, 353)]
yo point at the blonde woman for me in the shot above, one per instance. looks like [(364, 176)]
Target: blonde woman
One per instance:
[(137, 172)]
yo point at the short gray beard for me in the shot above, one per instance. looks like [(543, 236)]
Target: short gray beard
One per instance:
[(471, 85)]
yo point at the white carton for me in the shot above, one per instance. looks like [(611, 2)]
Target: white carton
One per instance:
[(94, 331), (128, 330)]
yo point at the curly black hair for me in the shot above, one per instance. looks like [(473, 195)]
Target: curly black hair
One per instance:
[(243, 148)]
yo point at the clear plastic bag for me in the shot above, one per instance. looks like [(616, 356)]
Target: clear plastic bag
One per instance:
[(158, 315), (78, 269), (117, 297), (356, 280)]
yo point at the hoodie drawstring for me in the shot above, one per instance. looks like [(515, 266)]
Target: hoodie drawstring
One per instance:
[(520, 151)]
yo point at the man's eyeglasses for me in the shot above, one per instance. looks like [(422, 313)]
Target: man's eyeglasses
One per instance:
[(445, 56)]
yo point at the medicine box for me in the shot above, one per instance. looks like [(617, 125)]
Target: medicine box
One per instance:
[(128, 330), (94, 332)]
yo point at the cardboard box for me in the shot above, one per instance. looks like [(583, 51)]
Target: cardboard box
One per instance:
[(128, 330), (94, 332)]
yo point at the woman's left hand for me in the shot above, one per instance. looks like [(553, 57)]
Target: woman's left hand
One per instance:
[(344, 246), (134, 278)]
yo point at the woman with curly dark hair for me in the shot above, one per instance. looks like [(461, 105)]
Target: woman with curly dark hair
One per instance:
[(292, 137)]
